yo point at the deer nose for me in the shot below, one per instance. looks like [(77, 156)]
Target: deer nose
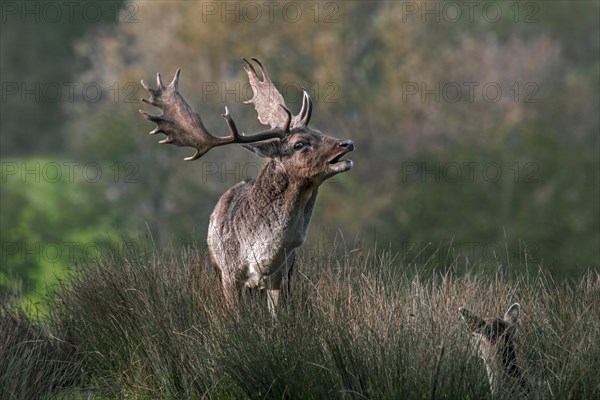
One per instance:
[(347, 144)]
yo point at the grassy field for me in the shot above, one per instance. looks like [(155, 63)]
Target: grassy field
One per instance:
[(358, 325)]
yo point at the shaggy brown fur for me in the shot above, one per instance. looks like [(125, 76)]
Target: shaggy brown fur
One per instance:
[(257, 225)]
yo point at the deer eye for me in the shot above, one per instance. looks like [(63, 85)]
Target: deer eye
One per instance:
[(299, 146)]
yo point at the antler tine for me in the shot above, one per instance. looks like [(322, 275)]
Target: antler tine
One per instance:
[(231, 123), (303, 108), (196, 156), (263, 70), (159, 82), (175, 81), (305, 113), (150, 117), (147, 88), (252, 77), (236, 137), (286, 127), (166, 140)]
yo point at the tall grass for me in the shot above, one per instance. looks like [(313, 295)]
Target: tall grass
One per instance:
[(33, 363), (356, 326)]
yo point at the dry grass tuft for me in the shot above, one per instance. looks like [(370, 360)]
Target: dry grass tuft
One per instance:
[(357, 326)]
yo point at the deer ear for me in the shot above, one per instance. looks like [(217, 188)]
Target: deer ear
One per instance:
[(264, 149), (512, 315), (473, 321)]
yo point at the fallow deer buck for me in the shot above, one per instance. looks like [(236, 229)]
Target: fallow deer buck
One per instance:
[(495, 341), (257, 225)]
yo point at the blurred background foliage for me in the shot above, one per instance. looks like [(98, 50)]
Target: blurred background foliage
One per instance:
[(445, 165)]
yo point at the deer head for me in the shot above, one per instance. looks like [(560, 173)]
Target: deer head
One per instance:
[(495, 340), (494, 331), (305, 154)]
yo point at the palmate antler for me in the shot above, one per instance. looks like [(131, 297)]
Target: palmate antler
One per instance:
[(184, 127), (269, 102)]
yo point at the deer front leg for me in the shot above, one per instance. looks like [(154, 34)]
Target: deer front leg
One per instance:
[(274, 301), (286, 285), (277, 297), (232, 290)]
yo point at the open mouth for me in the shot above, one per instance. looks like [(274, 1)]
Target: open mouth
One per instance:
[(340, 165), (337, 158)]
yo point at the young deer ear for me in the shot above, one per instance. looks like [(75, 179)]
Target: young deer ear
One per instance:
[(512, 315), (264, 149), (473, 321)]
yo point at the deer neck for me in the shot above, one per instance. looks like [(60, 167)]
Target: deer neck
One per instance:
[(504, 373), (287, 202)]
